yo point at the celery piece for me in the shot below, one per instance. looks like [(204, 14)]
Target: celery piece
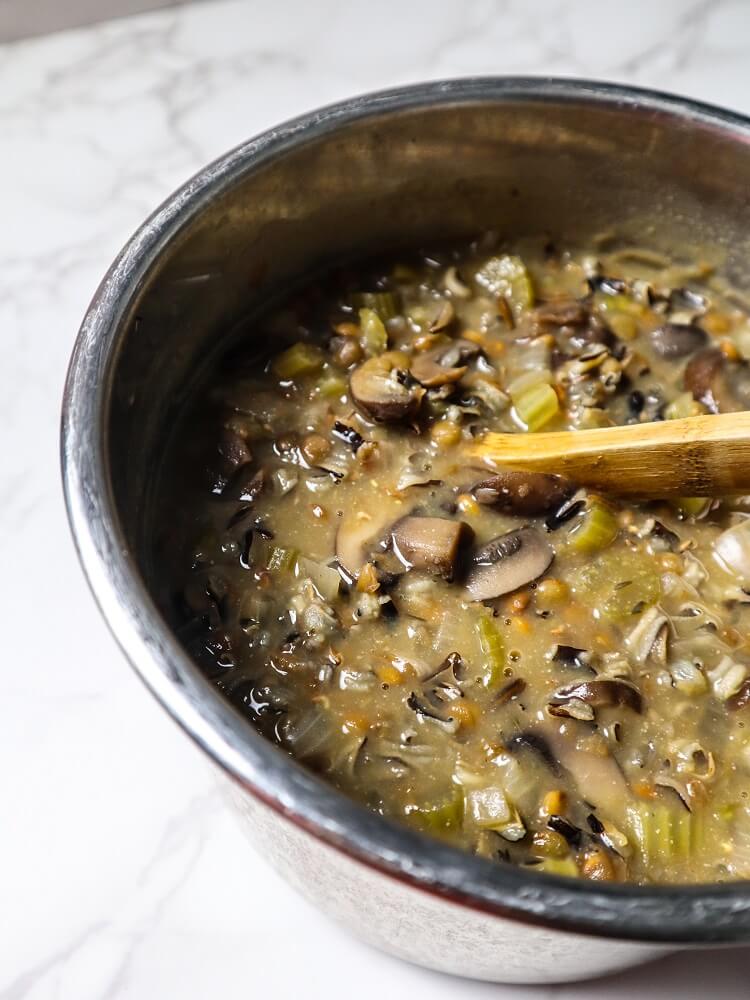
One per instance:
[(374, 336), (331, 386), (691, 506), (597, 528), (385, 304), (619, 303), (558, 866), (619, 580), (447, 814), (665, 833), (508, 276), (537, 406), (623, 325), (493, 649), (684, 406), (299, 359), (281, 559)]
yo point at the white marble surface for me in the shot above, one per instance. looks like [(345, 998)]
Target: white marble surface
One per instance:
[(120, 873)]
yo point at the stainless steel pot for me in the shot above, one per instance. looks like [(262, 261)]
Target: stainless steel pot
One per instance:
[(443, 159)]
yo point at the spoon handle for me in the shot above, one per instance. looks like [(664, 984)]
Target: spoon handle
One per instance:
[(694, 457)]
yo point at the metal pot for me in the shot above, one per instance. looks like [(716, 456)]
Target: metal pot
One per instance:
[(569, 158)]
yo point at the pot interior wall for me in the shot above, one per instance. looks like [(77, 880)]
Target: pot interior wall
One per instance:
[(566, 168)]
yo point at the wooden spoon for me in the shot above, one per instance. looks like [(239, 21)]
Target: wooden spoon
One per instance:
[(704, 456)]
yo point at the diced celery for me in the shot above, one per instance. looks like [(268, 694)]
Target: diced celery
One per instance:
[(507, 275), (665, 833), (528, 380), (537, 406), (684, 406), (385, 304), (691, 506), (623, 325), (446, 814), (619, 303), (326, 580), (299, 359), (374, 336), (493, 650), (597, 528), (331, 386), (281, 559), (618, 580), (558, 866)]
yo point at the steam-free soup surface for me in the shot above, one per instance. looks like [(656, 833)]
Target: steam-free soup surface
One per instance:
[(543, 676)]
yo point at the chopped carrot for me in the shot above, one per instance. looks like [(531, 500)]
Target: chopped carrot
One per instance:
[(467, 504), (645, 789), (367, 581), (355, 722), (518, 603), (522, 625), (729, 350), (465, 712), (554, 802), (388, 674)]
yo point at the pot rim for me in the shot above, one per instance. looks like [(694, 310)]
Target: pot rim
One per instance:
[(708, 913)]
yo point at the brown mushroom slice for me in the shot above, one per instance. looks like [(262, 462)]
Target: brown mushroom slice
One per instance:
[(596, 694), (382, 389), (444, 317), (443, 364), (739, 700), (562, 312), (677, 340), (523, 493), (234, 448), (357, 535), (430, 543), (594, 770), (721, 385), (508, 562)]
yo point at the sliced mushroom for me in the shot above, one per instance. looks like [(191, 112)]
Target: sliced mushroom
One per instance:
[(719, 384), (677, 340), (453, 283), (357, 536), (523, 493), (430, 543), (681, 788), (650, 638), (416, 471), (383, 390), (508, 562), (741, 699), (597, 694), (234, 448), (562, 312), (444, 317), (443, 364), (593, 768)]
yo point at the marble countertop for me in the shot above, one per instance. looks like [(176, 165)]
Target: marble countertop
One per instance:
[(121, 875)]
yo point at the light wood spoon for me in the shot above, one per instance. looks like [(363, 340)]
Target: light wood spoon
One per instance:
[(706, 456)]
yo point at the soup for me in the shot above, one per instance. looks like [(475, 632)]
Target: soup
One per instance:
[(535, 673)]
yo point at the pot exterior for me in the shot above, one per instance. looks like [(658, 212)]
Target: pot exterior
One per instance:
[(420, 926), (444, 160)]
